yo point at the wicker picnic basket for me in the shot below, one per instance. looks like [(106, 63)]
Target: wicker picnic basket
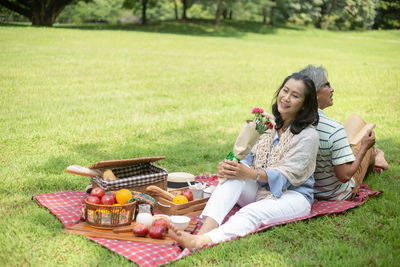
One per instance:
[(135, 174), (109, 216), (191, 208)]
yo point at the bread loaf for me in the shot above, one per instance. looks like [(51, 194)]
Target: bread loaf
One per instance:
[(156, 190), (108, 175)]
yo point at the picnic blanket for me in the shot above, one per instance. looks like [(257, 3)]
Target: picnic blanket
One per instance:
[(66, 205)]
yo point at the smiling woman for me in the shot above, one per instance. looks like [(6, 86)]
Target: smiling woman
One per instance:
[(295, 104), (278, 184), (290, 100)]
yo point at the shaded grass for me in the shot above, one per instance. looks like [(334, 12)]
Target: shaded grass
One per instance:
[(77, 96)]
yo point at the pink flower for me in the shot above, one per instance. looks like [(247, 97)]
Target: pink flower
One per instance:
[(257, 110), (269, 125)]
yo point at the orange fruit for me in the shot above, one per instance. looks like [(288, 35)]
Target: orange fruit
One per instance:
[(123, 196), (180, 199)]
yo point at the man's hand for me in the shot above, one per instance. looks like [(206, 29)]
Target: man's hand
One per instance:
[(345, 171), (368, 140)]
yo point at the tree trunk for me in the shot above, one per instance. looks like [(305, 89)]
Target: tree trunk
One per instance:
[(225, 13), (271, 17), (265, 13), (176, 10), (39, 12), (318, 23), (39, 15), (144, 9), (271, 14), (328, 20), (230, 15), (219, 11), (184, 7)]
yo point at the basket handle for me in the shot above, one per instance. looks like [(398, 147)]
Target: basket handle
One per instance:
[(167, 206)]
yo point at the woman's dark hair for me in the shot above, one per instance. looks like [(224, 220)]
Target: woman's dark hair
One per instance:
[(308, 114)]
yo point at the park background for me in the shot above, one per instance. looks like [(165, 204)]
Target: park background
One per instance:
[(86, 90)]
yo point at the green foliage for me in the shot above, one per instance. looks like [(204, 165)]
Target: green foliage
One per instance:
[(201, 11), (7, 15), (334, 14), (93, 11), (182, 90), (310, 12), (357, 14), (388, 14)]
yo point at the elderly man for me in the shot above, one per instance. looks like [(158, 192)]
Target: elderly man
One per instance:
[(340, 169)]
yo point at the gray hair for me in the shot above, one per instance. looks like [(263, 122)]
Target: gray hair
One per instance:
[(319, 75)]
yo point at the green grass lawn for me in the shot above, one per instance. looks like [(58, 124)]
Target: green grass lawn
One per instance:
[(81, 95)]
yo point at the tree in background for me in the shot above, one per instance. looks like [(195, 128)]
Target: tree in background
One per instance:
[(356, 14), (332, 14), (140, 4), (219, 11), (175, 8), (321, 10), (282, 10), (7, 15), (39, 12), (388, 15), (185, 4), (109, 11)]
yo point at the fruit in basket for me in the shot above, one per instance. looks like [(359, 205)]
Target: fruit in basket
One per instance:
[(107, 200), (179, 199), (115, 198), (93, 200), (140, 230), (157, 231), (98, 192), (123, 196), (188, 194), (161, 222)]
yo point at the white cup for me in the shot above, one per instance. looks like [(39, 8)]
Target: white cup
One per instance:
[(197, 190)]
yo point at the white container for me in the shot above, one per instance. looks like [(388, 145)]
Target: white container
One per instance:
[(180, 222), (197, 190), (144, 215)]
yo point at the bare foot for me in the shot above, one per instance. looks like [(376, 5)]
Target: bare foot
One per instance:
[(187, 240), (380, 160)]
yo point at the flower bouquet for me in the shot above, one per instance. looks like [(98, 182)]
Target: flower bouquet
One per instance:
[(251, 131)]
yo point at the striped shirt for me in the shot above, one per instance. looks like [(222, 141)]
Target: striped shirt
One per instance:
[(334, 149)]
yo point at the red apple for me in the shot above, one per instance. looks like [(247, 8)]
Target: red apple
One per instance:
[(161, 222), (107, 200), (98, 192), (157, 231), (93, 200), (140, 230), (188, 194)]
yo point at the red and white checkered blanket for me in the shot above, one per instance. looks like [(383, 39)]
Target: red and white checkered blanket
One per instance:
[(66, 205)]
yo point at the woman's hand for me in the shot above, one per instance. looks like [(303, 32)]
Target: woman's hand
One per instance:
[(234, 170)]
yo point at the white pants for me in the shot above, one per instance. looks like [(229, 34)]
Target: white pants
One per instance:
[(252, 214)]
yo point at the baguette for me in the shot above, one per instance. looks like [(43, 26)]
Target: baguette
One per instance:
[(156, 190)]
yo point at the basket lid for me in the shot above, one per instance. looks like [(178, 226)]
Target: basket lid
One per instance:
[(123, 162)]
